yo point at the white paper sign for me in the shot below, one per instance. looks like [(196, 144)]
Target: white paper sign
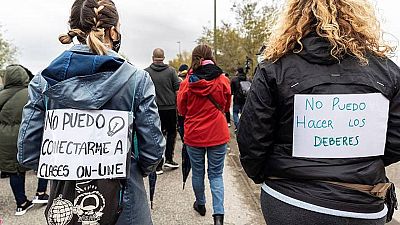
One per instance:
[(340, 126), (84, 144)]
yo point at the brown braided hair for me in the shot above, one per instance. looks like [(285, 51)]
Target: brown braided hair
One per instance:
[(200, 53), (90, 22)]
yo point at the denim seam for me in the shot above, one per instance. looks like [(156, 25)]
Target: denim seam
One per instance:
[(67, 62), (133, 104), (149, 120), (23, 133), (131, 215), (94, 64)]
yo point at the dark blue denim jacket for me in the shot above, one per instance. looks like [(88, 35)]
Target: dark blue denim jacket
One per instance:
[(80, 79)]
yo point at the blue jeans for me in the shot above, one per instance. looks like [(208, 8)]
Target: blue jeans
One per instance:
[(237, 108), (42, 185), (216, 157)]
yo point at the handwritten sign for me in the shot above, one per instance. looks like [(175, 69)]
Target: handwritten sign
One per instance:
[(84, 144), (340, 126)]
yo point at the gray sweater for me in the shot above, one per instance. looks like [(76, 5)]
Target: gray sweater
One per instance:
[(167, 83)]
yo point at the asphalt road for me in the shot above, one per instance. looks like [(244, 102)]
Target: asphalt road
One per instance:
[(172, 205)]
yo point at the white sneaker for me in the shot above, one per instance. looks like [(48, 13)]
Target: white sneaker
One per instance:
[(21, 210), (40, 199), (159, 172), (171, 164)]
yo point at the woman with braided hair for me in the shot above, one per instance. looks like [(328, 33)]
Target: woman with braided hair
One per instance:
[(92, 76)]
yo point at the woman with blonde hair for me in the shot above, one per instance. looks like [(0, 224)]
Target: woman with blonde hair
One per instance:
[(298, 133)]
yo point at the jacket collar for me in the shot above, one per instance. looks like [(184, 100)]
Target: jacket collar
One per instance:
[(208, 72), (103, 86), (86, 49), (317, 49)]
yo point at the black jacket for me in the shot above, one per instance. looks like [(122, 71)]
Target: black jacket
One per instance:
[(265, 133), (238, 99), (167, 83)]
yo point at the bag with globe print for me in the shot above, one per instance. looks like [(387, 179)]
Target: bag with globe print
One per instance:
[(91, 202), (88, 202)]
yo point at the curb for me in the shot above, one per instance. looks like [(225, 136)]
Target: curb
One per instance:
[(233, 156)]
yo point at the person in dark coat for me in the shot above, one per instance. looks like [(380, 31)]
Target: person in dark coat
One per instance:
[(238, 98), (324, 51), (167, 83), (12, 100), (92, 76), (182, 71)]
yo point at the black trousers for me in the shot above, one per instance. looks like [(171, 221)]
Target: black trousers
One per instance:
[(277, 212), (168, 127), (17, 183)]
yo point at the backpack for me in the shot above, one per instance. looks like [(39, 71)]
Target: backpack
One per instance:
[(244, 88), (81, 202), (93, 201)]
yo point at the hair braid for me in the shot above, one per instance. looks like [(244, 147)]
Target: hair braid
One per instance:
[(96, 19), (95, 39), (68, 38), (89, 22)]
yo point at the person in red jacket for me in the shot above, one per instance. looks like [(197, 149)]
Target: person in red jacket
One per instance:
[(203, 98)]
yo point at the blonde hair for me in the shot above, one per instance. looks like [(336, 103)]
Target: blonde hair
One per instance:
[(350, 26), (89, 22)]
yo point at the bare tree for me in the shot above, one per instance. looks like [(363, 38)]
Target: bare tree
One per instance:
[(7, 52)]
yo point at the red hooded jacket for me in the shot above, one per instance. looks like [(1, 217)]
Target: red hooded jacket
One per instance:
[(205, 125)]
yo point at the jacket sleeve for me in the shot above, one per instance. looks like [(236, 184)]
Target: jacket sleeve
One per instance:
[(31, 129), (175, 80), (257, 126), (392, 147), (151, 141), (182, 98)]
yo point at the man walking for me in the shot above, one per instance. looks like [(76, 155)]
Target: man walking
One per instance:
[(167, 83), (239, 87)]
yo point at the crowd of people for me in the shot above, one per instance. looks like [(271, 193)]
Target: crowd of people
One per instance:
[(321, 48)]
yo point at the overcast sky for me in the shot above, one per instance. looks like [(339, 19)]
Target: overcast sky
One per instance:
[(34, 26)]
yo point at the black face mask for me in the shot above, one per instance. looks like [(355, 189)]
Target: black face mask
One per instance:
[(116, 44)]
